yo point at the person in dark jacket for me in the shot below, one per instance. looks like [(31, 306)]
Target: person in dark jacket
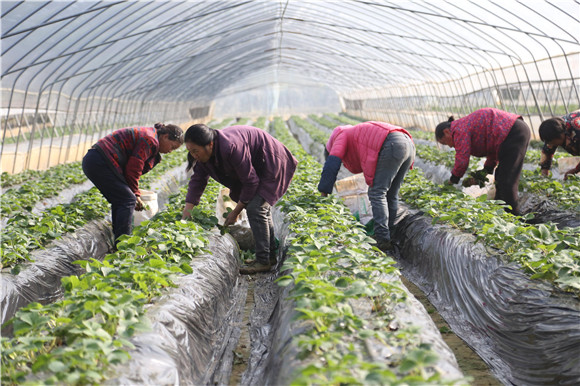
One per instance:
[(256, 167), (116, 162), (502, 137), (560, 131)]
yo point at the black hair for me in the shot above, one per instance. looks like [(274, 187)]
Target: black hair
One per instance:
[(551, 129), (201, 135), (442, 126), (174, 133), (326, 153)]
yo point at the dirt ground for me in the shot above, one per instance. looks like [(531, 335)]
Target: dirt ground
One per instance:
[(469, 362), (243, 349)]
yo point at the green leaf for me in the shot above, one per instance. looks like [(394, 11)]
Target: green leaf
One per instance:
[(57, 366), (342, 282), (140, 251), (285, 281)]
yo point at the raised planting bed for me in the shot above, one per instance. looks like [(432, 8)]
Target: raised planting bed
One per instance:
[(496, 263), (345, 315), (66, 233), (324, 322), (509, 289), (77, 340), (526, 330)]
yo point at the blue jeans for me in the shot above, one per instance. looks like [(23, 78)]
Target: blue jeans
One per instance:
[(116, 191), (395, 159)]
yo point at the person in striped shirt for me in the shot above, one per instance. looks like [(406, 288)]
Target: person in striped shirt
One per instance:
[(116, 162), (500, 136)]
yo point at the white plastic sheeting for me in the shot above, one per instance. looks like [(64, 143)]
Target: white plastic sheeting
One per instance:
[(86, 67)]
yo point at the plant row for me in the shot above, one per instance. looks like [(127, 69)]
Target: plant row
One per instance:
[(38, 186), (331, 263), (565, 194), (26, 232), (75, 340), (543, 251), (9, 180), (323, 120)]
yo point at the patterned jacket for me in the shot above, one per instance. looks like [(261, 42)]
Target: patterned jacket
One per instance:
[(480, 134), (571, 144), (131, 152)]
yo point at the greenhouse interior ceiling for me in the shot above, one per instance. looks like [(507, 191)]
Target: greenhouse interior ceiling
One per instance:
[(83, 68), (290, 192)]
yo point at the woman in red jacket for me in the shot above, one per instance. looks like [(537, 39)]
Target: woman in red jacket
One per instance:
[(500, 136), (117, 161), (383, 153)]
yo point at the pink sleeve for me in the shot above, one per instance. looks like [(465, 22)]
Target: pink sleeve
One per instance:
[(339, 146)]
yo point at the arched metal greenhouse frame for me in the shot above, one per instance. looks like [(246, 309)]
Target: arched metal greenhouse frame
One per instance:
[(73, 71)]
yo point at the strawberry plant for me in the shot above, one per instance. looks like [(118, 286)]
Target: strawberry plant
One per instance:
[(323, 121), (18, 178), (315, 133), (330, 262), (343, 119), (565, 194), (74, 340), (26, 232), (46, 184), (543, 251)]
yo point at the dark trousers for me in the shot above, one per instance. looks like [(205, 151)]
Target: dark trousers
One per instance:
[(260, 219), (511, 160), (115, 190)]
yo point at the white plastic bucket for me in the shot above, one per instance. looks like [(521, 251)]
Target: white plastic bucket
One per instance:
[(149, 198)]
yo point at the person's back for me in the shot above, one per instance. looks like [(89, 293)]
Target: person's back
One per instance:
[(358, 146), (483, 130), (120, 144), (263, 148)]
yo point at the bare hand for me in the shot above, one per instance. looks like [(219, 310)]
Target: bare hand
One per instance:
[(187, 211), (231, 219), (545, 172), (139, 204)]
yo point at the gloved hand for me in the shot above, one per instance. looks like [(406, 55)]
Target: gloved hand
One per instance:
[(478, 177), (571, 172), (469, 181)]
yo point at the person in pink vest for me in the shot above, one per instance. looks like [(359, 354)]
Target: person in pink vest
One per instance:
[(383, 153), (500, 136)]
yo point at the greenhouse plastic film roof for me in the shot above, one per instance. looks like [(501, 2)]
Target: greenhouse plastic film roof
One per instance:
[(113, 63)]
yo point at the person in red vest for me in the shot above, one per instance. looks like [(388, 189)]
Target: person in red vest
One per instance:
[(383, 153), (116, 162), (500, 136)]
